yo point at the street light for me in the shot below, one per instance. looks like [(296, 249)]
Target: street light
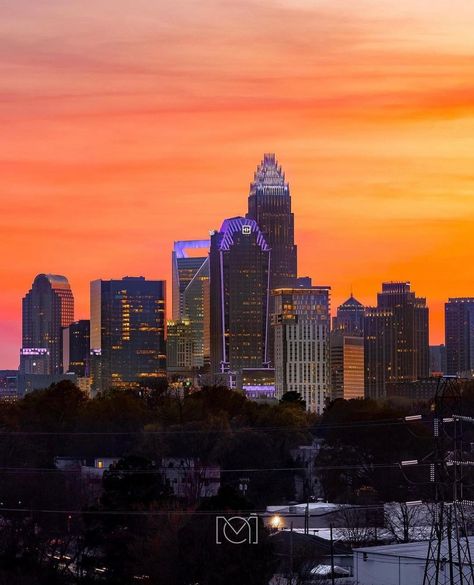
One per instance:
[(275, 522)]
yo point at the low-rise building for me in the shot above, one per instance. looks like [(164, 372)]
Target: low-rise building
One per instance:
[(401, 564)]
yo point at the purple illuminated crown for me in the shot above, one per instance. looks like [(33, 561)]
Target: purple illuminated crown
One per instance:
[(236, 225)]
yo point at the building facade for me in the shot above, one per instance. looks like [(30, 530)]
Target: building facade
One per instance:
[(76, 348), (127, 332), (184, 268), (301, 323), (179, 347), (459, 331), (239, 280), (438, 360), (191, 296), (350, 317), (197, 310), (48, 307), (347, 366), (396, 339), (269, 204)]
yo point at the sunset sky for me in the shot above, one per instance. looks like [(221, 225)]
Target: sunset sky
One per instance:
[(128, 124)]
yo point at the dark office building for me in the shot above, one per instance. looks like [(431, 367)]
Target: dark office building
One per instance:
[(396, 339), (350, 317), (76, 348), (437, 360), (8, 385), (422, 390), (459, 331), (47, 308), (127, 332), (269, 204), (304, 282), (239, 271)]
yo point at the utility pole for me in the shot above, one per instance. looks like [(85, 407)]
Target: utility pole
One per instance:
[(291, 554), (331, 538), (448, 544)]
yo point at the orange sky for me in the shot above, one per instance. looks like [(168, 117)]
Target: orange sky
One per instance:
[(127, 124)]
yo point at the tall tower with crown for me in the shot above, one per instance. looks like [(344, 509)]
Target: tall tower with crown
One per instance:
[(270, 206)]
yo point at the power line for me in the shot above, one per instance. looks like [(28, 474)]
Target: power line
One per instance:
[(166, 512), (203, 469), (319, 427)]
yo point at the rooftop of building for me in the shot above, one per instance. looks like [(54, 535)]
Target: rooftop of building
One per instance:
[(352, 302), (57, 281), (243, 225), (268, 174), (180, 247), (414, 550)]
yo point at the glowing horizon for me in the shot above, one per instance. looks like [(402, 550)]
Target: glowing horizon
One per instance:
[(134, 125)]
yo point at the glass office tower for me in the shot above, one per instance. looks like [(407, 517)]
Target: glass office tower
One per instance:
[(396, 339), (47, 308), (269, 204), (127, 332), (459, 331), (239, 272)]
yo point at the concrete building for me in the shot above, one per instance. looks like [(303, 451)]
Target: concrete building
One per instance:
[(179, 348), (301, 329), (347, 366)]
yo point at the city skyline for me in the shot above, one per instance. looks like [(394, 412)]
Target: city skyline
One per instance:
[(112, 154)]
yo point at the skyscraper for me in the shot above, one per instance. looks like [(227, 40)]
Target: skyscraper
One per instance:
[(459, 331), (179, 348), (437, 360), (347, 365), (184, 269), (301, 326), (239, 272), (127, 332), (191, 297), (76, 348), (350, 317), (197, 309), (396, 338), (47, 308), (269, 204)]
